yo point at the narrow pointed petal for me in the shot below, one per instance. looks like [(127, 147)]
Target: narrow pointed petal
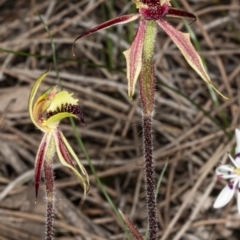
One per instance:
[(63, 147), (131, 227), (31, 99), (69, 148), (174, 12), (39, 161), (225, 195), (182, 40), (118, 20), (237, 150), (238, 198), (134, 58), (63, 150), (235, 163)]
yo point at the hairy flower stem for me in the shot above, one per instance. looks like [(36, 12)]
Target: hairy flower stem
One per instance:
[(149, 177), (147, 89), (49, 181), (49, 178)]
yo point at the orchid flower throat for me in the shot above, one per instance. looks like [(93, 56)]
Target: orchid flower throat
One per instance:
[(156, 10), (48, 109), (68, 108), (52, 106), (153, 10)]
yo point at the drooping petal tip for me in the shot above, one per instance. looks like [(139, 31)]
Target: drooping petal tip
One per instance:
[(131, 227), (174, 12), (182, 40), (64, 150)]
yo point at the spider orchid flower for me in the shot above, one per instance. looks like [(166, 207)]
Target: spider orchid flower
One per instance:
[(157, 11), (46, 113), (233, 174)]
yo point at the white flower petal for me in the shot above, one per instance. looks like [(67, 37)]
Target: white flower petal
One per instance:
[(235, 162), (226, 172), (225, 195), (230, 176), (225, 168), (237, 133), (237, 159), (238, 197)]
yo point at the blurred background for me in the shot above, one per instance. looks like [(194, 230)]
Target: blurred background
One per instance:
[(193, 126)]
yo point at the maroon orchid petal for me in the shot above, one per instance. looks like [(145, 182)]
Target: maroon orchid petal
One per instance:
[(119, 20), (39, 163), (182, 40), (63, 150), (131, 227), (134, 58), (174, 12)]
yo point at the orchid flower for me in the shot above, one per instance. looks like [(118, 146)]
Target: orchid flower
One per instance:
[(157, 11), (46, 113), (152, 14), (233, 174)]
